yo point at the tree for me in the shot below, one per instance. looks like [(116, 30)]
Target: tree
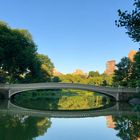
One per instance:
[(19, 60), (104, 83), (137, 68), (128, 127), (93, 74), (123, 73), (41, 70), (23, 127), (56, 79), (46, 64), (97, 80), (17, 52), (131, 21)]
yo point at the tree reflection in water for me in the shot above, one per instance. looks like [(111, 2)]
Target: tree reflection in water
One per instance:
[(60, 100), (23, 128), (128, 127)]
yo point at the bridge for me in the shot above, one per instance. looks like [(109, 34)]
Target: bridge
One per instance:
[(8, 108), (119, 94)]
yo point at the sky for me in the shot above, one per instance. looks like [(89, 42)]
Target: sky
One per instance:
[(75, 34)]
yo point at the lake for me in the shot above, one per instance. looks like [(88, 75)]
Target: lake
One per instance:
[(67, 115)]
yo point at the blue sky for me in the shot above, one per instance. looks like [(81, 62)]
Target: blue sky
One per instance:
[(73, 33)]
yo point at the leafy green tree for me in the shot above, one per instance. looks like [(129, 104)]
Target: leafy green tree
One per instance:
[(46, 64), (93, 74), (104, 83), (123, 73), (56, 79), (25, 128), (42, 69), (70, 78), (128, 127), (17, 52), (3, 76), (97, 80), (34, 75), (131, 21), (137, 68), (19, 60)]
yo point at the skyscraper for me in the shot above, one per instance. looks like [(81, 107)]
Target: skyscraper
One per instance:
[(131, 55), (110, 67)]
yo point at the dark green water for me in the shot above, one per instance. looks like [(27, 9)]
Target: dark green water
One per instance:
[(74, 115)]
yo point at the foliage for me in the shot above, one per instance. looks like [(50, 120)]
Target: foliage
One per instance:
[(131, 21), (93, 73), (128, 127), (137, 68), (42, 69), (46, 64), (19, 61), (100, 80), (17, 51), (56, 79), (25, 128), (124, 74), (61, 100)]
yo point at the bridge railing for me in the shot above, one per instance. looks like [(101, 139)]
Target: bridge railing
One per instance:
[(123, 89), (4, 86), (71, 85)]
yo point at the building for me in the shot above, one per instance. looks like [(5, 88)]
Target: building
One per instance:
[(79, 72), (131, 55), (110, 67), (110, 122)]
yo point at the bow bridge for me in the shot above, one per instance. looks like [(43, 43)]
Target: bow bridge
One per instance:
[(119, 94)]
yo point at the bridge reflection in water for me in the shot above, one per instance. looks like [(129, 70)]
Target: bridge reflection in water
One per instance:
[(6, 107)]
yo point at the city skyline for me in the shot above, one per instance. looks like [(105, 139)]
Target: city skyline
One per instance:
[(74, 34), (109, 70)]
